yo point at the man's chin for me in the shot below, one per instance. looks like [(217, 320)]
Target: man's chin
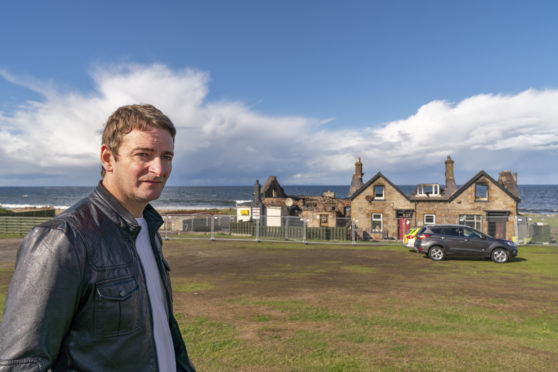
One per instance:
[(152, 192)]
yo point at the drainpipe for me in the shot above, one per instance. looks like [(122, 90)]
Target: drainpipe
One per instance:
[(415, 214)]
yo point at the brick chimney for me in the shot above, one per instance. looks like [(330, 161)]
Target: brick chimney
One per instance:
[(509, 181), (356, 182), (451, 187), (256, 196)]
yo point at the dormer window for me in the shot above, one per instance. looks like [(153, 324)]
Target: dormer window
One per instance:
[(481, 191), (428, 189), (379, 192)]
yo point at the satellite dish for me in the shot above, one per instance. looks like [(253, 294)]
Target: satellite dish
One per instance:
[(289, 202)]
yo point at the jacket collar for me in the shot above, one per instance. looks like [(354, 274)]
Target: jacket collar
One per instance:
[(125, 218)]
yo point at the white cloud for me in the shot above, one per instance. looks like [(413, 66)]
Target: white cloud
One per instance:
[(493, 125), (230, 143)]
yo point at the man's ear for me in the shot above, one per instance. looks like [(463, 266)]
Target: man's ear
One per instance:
[(107, 159)]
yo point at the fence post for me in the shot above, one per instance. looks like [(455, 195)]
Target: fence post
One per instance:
[(213, 228), (516, 227), (166, 225), (286, 228), (258, 230), (353, 232), (304, 231)]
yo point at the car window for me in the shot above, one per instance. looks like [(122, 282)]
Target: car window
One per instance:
[(477, 234), (451, 231), (471, 234), (436, 230)]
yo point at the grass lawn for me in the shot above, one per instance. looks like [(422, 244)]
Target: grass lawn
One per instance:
[(246, 306)]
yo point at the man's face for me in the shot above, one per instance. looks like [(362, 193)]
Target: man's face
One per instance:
[(138, 173)]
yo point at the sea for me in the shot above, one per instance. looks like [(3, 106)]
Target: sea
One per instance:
[(540, 199)]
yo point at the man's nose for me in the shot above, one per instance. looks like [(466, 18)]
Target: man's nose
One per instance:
[(158, 167)]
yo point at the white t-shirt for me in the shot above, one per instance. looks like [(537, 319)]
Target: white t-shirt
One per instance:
[(155, 290)]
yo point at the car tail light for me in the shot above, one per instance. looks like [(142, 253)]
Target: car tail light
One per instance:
[(422, 236)]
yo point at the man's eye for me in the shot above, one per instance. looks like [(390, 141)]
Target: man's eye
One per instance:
[(142, 155), (167, 157)]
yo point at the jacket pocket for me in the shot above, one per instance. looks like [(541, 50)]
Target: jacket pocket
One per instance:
[(117, 307)]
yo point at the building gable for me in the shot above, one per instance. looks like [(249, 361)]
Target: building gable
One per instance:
[(272, 188), (481, 177), (372, 181)]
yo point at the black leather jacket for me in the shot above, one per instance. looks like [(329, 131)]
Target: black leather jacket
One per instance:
[(78, 299)]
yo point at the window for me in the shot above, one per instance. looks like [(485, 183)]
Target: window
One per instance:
[(428, 189), (471, 220), (324, 220), (481, 191), (429, 219), (379, 192), (450, 231), (377, 224), (436, 230), (471, 234)]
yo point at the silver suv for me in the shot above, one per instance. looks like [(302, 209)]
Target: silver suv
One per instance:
[(441, 241)]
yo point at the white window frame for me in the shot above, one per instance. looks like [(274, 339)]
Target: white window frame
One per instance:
[(375, 218), (433, 219), (428, 189), (471, 220), (376, 197)]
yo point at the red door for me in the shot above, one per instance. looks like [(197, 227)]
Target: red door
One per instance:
[(404, 226)]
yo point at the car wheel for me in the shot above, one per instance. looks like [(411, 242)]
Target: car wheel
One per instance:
[(500, 255), (436, 253)]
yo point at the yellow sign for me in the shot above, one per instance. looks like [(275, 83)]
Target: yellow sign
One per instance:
[(244, 212)]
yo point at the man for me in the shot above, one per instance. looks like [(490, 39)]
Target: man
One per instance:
[(91, 289)]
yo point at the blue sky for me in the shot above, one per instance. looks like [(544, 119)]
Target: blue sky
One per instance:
[(296, 89)]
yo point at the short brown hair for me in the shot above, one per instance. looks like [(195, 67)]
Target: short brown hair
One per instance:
[(127, 118)]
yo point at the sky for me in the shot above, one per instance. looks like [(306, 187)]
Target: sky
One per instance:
[(293, 89)]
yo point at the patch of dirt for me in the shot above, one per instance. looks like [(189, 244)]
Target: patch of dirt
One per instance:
[(259, 269)]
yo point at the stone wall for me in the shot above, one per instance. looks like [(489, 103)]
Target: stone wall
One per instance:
[(364, 205), (466, 203)]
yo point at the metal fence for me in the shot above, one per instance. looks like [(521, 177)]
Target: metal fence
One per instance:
[(528, 229), (264, 229), (536, 229), (19, 225)]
